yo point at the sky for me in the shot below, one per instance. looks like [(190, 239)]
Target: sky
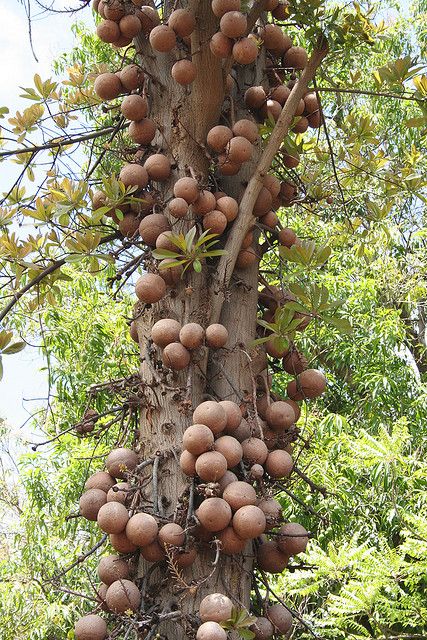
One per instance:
[(51, 35)]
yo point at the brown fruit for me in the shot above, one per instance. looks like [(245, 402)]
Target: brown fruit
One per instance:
[(175, 356), (270, 438), (293, 539), (226, 479), (133, 331), (216, 336), (262, 628), (243, 431), (247, 129), (270, 558), (111, 568), (178, 207), (152, 226), (291, 161), (231, 544), (295, 407), (295, 58), (186, 188), (91, 627), (134, 107), (226, 167), (121, 461), (245, 51), (100, 480), (233, 414), (215, 607), (281, 12), (249, 522), (280, 617), (171, 534), (130, 26), (280, 416), (211, 414), (113, 10), (218, 137), (205, 203), (254, 451), (311, 383), (123, 595), (187, 462), (107, 86), (184, 558), (263, 202), (311, 104), (270, 220), (182, 22), (214, 514), (158, 167), (149, 19), (101, 592), (287, 237), (171, 275), (255, 97), (129, 225), (272, 183), (108, 31), (123, 41), (231, 449), (219, 7), (121, 543), (132, 76), (164, 241), (280, 93), (279, 464), (215, 222), (197, 439), (233, 24), (301, 126), (142, 132), (300, 109), (90, 503), (118, 493), (192, 335), (272, 511), (274, 38), (165, 331), (210, 631), (288, 192), (220, 45), (211, 466), (184, 72), (294, 362), (150, 288), (152, 552), (239, 150), (142, 529), (134, 175), (271, 110), (239, 494), (162, 38), (112, 517), (256, 472)]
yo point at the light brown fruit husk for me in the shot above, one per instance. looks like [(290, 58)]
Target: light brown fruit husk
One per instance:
[(187, 462), (165, 331), (215, 222), (121, 461), (239, 494), (198, 439), (245, 51), (301, 126), (132, 76), (272, 183), (226, 479), (192, 335), (280, 93), (243, 431), (226, 167), (293, 538), (280, 617), (231, 449), (231, 544), (216, 336), (162, 38), (164, 241), (130, 26), (233, 24), (186, 188), (270, 220), (121, 543), (150, 288), (142, 529), (211, 414), (211, 466), (171, 275), (262, 628), (215, 607), (184, 72), (279, 464), (254, 451), (90, 627), (142, 131), (108, 31), (272, 511), (255, 97), (107, 86), (100, 480), (228, 206), (295, 58), (149, 18), (158, 167), (182, 22), (178, 207), (218, 137), (294, 362), (171, 534), (112, 517), (152, 226), (121, 494), (311, 383), (280, 416), (270, 558), (220, 45), (90, 503), (249, 522), (205, 203), (134, 175), (153, 552), (123, 595), (134, 107), (111, 568), (220, 7), (129, 225), (263, 202), (233, 414), (175, 356), (239, 150), (210, 631), (214, 514)]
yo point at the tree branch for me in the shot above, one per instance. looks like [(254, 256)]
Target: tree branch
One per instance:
[(375, 94)]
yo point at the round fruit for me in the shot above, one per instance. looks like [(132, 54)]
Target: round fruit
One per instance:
[(152, 226), (142, 529), (172, 534), (263, 202), (211, 466), (100, 596), (280, 617), (90, 503), (184, 72), (171, 275), (215, 607), (205, 203), (130, 26), (262, 628), (149, 18), (113, 517), (270, 558), (119, 492), (245, 51), (185, 558), (162, 38), (280, 94), (108, 31), (293, 538), (246, 128), (233, 414), (158, 167), (249, 522), (226, 479), (91, 627), (279, 464), (142, 131), (256, 471), (311, 383), (301, 126), (175, 356), (212, 414), (187, 462), (239, 494), (216, 336), (150, 288), (121, 543), (255, 97), (152, 552), (280, 416), (191, 335), (295, 58), (218, 137), (287, 237), (186, 188), (214, 514), (112, 568), (122, 596), (228, 206), (294, 362), (239, 149), (311, 104), (131, 77), (165, 331), (275, 39), (134, 107), (272, 511), (246, 258), (198, 439), (164, 241), (182, 22), (233, 24), (226, 167), (271, 110), (178, 207), (215, 222), (231, 449), (210, 631), (270, 220), (254, 451), (107, 86), (219, 7), (220, 45), (243, 431), (129, 225), (134, 175), (231, 544), (121, 461)]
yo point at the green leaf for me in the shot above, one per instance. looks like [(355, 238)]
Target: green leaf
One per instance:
[(197, 266), (15, 347), (159, 254)]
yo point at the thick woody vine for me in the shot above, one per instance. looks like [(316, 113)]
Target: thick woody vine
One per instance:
[(235, 455)]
